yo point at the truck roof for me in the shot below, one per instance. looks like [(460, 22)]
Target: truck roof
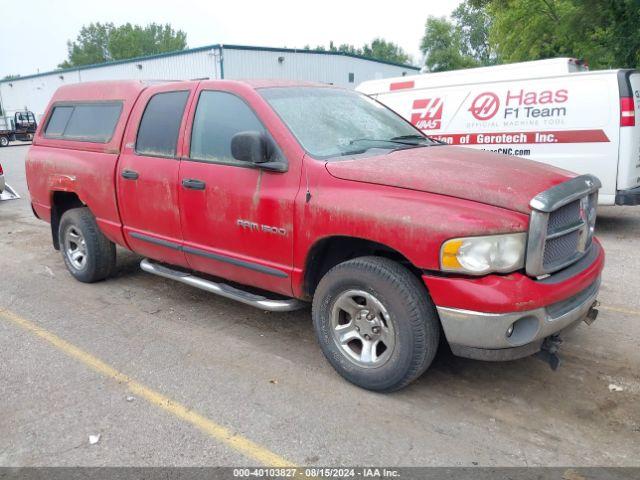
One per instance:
[(126, 92), (99, 91), (126, 89)]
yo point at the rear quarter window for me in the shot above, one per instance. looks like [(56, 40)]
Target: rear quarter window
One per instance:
[(160, 124), (85, 122)]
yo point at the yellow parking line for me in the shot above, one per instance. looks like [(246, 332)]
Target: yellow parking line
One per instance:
[(620, 310), (237, 442)]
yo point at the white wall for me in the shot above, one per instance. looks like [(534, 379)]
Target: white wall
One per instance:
[(33, 93), (304, 66)]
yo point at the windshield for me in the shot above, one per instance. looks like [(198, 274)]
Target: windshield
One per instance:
[(331, 122)]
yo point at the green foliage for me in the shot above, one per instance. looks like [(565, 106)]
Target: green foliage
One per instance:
[(486, 32), (605, 33), (383, 50), (462, 42), (443, 48), (379, 49), (103, 42), (474, 24)]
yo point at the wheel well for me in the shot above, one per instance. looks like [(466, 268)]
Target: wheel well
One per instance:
[(329, 252), (60, 203)]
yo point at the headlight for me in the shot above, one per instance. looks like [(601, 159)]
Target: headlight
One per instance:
[(480, 255)]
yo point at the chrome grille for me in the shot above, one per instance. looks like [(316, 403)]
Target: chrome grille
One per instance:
[(561, 227), (564, 216), (559, 249)]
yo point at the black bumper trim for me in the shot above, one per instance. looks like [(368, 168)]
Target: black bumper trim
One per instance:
[(497, 354), (628, 197)]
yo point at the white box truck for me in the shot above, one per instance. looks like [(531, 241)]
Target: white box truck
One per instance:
[(553, 111)]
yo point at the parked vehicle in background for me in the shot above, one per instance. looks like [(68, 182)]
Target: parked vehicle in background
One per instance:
[(20, 126), (553, 111), (310, 193), (6, 192)]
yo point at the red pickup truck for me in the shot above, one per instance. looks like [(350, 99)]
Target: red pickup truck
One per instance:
[(277, 194)]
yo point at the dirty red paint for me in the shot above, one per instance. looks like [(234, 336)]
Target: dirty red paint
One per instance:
[(507, 182), (410, 201)]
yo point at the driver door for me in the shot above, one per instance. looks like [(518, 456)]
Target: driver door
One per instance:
[(237, 219)]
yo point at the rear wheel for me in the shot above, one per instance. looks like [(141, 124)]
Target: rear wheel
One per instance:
[(4, 141), (87, 253), (375, 323)]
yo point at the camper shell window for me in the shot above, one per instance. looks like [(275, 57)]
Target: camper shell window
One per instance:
[(84, 122)]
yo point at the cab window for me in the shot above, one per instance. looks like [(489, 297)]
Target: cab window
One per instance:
[(160, 124), (219, 116)]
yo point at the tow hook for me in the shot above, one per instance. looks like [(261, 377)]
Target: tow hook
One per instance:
[(592, 314), (549, 351)]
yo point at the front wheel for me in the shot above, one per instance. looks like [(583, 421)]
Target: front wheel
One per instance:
[(375, 323), (4, 141), (88, 254)]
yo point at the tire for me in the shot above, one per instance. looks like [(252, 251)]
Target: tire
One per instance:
[(402, 311), (4, 141), (87, 253)]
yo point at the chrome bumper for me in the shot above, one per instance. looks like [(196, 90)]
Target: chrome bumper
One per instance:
[(485, 335)]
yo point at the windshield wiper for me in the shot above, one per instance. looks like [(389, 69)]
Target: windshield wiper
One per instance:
[(414, 136), (382, 140), (432, 141), (396, 143)]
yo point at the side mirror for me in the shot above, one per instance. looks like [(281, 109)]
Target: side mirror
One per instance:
[(250, 147)]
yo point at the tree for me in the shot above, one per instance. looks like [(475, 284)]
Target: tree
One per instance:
[(387, 51), (442, 46), (462, 42), (103, 42), (530, 30), (474, 24), (379, 49), (606, 34)]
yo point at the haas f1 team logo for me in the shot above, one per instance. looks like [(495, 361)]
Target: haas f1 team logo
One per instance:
[(427, 113), (485, 106)]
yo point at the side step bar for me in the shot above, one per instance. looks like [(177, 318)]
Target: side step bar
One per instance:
[(222, 289)]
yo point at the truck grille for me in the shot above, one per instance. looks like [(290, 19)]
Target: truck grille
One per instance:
[(561, 225)]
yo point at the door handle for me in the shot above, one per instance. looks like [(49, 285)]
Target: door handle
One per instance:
[(193, 184), (130, 175)]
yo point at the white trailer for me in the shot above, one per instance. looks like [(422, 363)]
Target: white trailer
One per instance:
[(553, 111)]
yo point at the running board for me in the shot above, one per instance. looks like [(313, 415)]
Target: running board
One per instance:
[(223, 289)]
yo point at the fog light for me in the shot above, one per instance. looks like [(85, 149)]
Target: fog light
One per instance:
[(509, 331)]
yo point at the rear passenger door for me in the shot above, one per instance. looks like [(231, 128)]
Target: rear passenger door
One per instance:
[(147, 175)]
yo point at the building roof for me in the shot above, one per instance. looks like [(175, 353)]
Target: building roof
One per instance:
[(217, 46)]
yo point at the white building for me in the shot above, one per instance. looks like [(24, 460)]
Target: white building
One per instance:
[(32, 92)]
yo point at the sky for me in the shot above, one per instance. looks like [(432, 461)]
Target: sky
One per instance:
[(34, 39)]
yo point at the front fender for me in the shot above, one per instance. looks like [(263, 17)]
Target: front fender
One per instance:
[(411, 222)]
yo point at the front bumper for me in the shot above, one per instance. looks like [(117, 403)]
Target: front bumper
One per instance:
[(484, 336), (628, 197), (476, 313)]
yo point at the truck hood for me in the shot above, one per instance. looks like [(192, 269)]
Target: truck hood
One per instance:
[(485, 177)]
